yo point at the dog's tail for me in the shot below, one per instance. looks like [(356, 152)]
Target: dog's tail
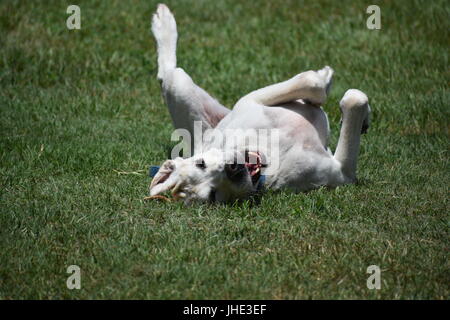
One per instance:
[(164, 29)]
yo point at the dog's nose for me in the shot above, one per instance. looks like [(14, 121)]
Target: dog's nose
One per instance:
[(235, 171)]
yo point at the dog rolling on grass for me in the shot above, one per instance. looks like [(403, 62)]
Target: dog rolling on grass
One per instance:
[(225, 170)]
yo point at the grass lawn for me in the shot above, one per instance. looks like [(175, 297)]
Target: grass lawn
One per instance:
[(80, 108)]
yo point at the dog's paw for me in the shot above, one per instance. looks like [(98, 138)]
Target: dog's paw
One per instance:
[(164, 27), (312, 85), (356, 100), (327, 75)]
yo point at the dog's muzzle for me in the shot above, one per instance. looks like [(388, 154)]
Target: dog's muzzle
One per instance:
[(235, 171)]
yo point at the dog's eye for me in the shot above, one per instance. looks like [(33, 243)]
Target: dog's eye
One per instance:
[(201, 164)]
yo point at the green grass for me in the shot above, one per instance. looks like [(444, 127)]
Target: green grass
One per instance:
[(78, 106)]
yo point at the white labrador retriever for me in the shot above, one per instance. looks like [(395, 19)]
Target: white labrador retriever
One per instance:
[(290, 111)]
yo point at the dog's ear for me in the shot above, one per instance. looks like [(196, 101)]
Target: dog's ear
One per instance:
[(165, 179)]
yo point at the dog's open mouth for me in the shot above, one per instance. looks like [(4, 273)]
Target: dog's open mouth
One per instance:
[(253, 164)]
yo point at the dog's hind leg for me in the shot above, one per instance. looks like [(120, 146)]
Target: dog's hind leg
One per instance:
[(355, 120), (187, 102), (310, 86)]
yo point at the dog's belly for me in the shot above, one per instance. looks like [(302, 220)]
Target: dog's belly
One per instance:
[(295, 121), (302, 133)]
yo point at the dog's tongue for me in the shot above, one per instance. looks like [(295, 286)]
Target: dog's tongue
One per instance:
[(252, 168), (253, 163)]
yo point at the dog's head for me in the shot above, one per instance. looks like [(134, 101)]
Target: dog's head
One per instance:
[(209, 177)]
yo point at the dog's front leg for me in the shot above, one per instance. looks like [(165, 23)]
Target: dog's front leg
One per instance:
[(187, 102)]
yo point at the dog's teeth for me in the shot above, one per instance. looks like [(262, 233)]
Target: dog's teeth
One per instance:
[(254, 172)]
